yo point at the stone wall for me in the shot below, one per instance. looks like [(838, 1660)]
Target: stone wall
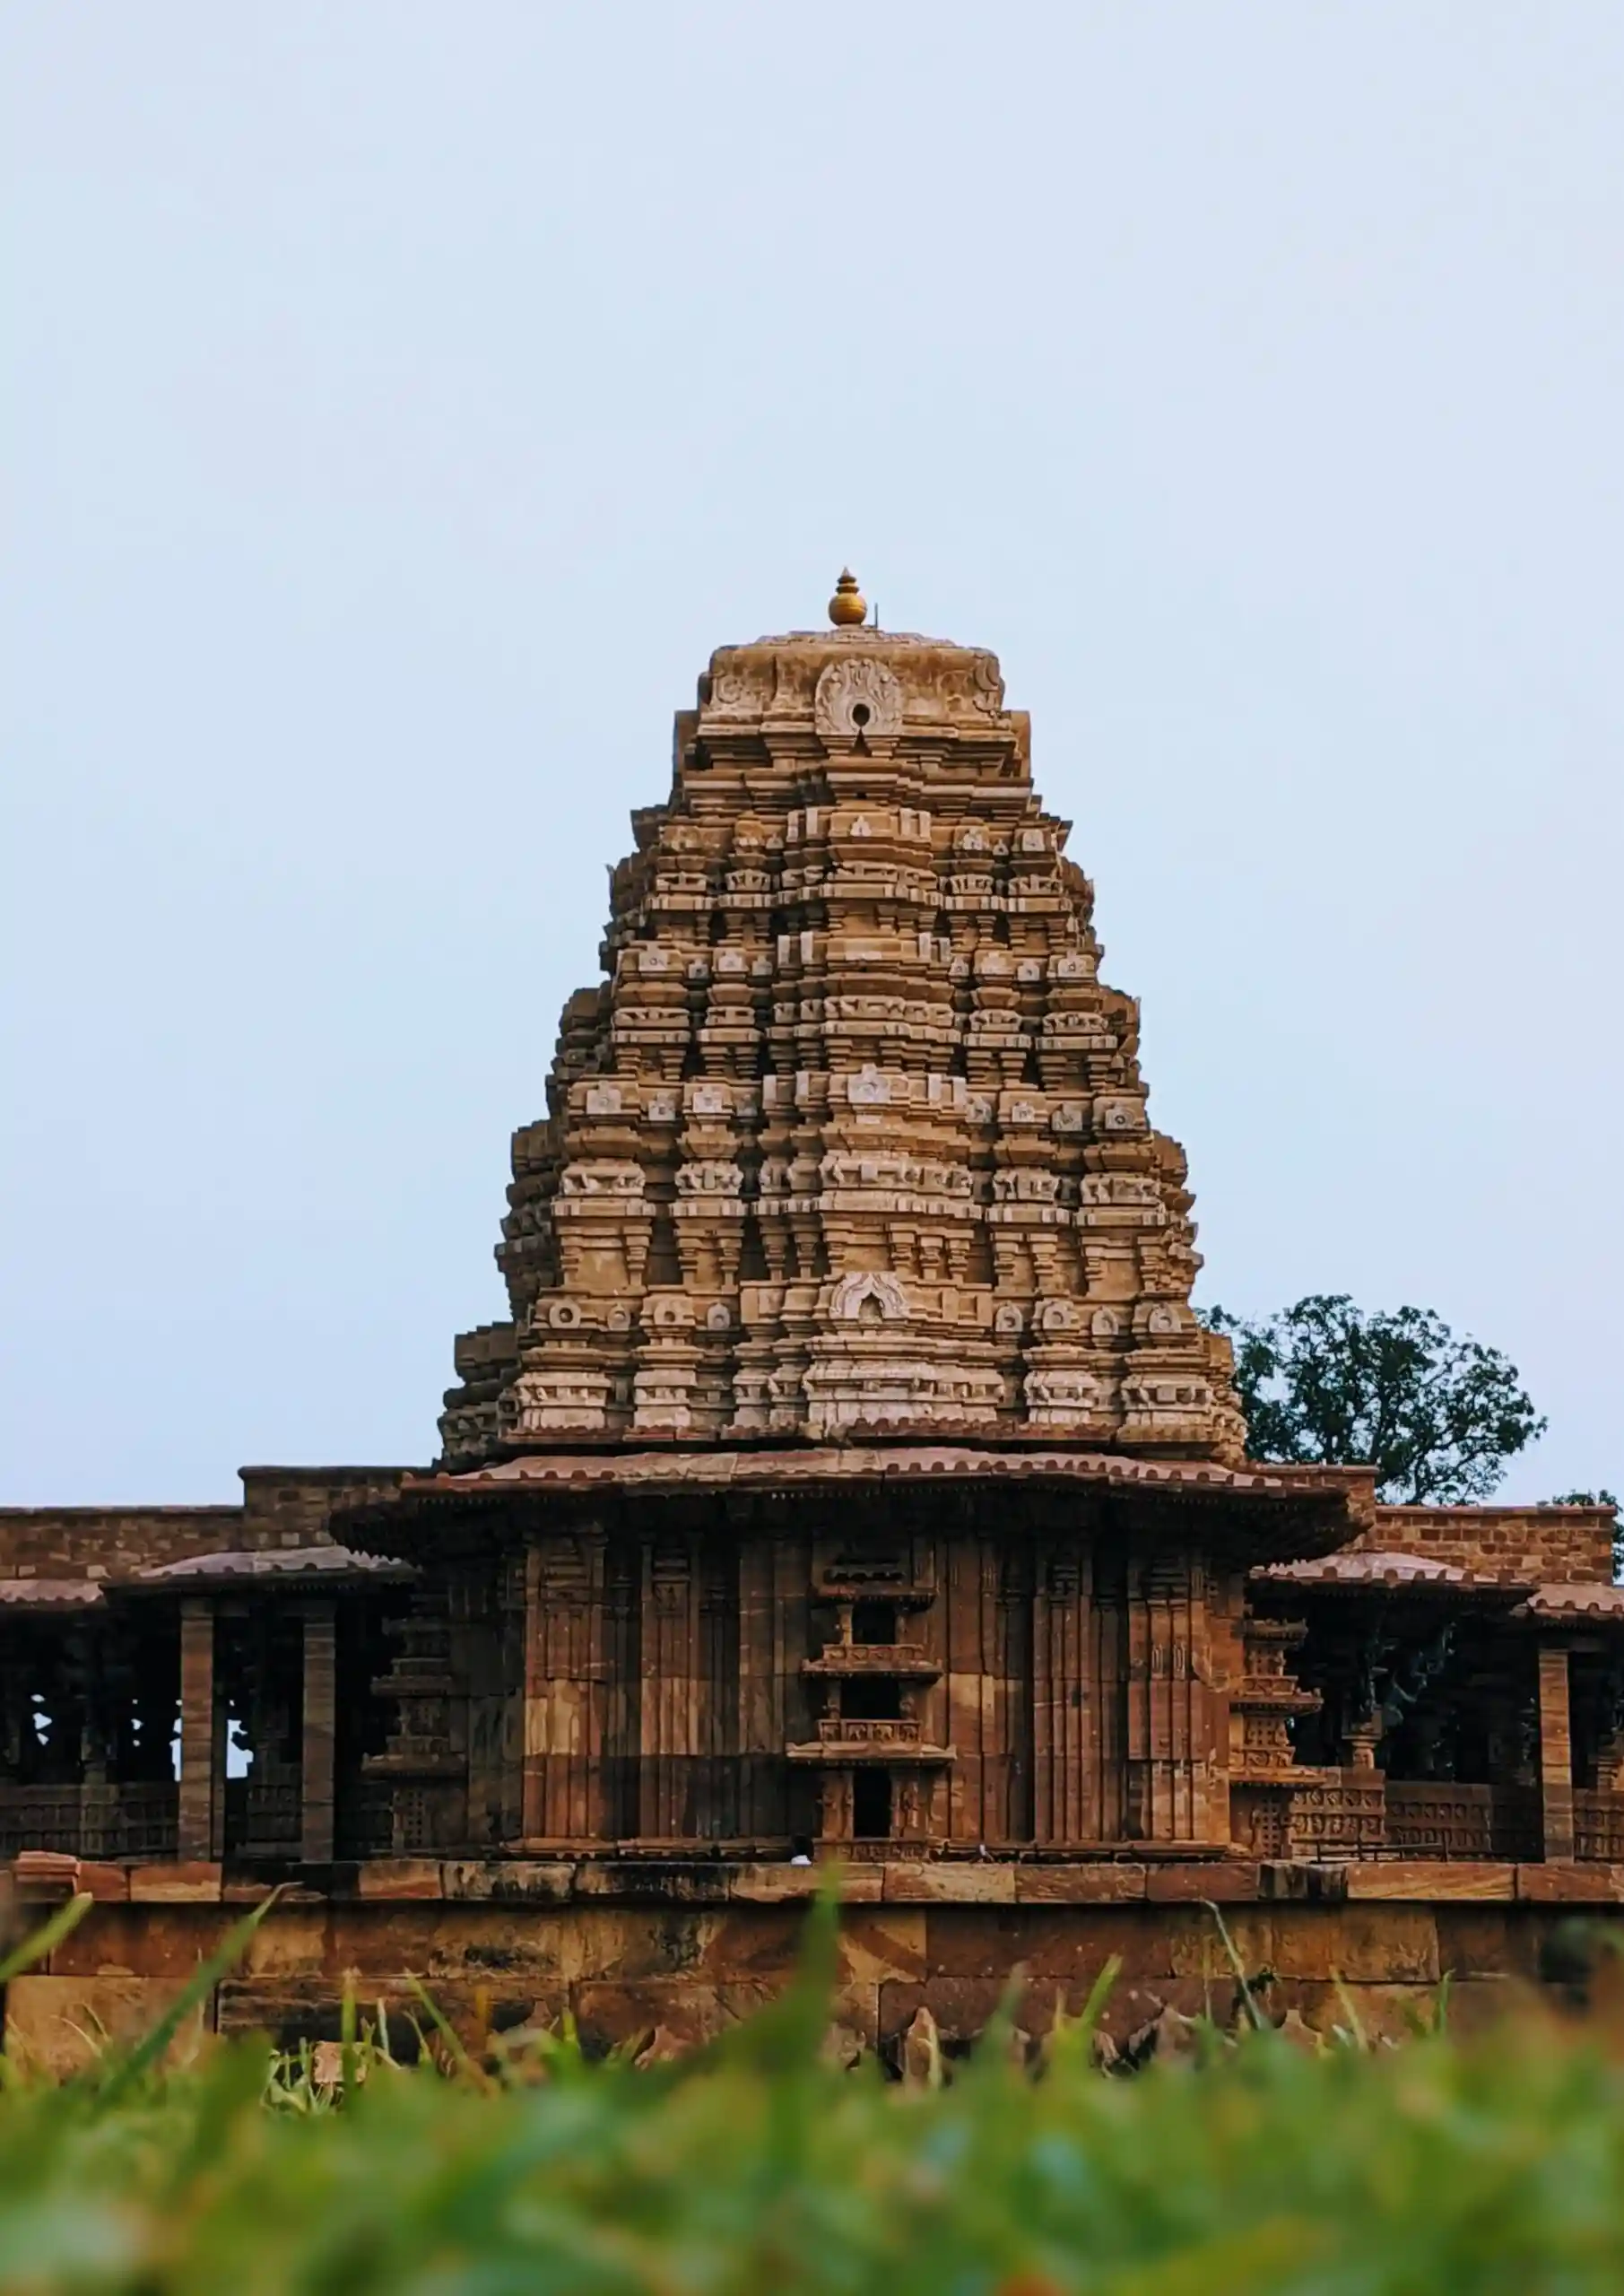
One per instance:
[(689, 1950), (294, 1506), (1531, 1545), (108, 1542), (281, 1506)]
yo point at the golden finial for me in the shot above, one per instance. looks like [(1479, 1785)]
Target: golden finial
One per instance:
[(847, 607)]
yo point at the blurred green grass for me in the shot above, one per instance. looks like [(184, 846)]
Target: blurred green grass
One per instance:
[(757, 2165)]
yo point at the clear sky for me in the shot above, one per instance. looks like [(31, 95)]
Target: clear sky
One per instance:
[(402, 399)]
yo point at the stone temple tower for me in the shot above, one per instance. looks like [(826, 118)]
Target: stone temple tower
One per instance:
[(849, 1479), (851, 1143)]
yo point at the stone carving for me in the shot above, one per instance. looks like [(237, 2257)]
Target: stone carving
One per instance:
[(853, 1294), (868, 1088), (1057, 1396), (709, 1178), (601, 1179), (858, 697)]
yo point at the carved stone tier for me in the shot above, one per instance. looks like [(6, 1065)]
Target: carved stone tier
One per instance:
[(900, 1661), (852, 1138), (424, 1765), (840, 1741), (1264, 1703)]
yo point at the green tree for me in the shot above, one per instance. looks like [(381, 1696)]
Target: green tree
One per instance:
[(1437, 1416)]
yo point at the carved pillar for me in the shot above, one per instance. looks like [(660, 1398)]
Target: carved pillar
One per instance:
[(837, 1821), (791, 1809), (716, 1808), (986, 1629), (670, 1654), (622, 1688), (487, 1646), (1074, 1688), (200, 1827), (564, 1688), (320, 1698), (1556, 1752), (761, 1724), (970, 1579), (1169, 1749)]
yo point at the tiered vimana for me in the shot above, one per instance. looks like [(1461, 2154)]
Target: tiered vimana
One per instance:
[(853, 1139)]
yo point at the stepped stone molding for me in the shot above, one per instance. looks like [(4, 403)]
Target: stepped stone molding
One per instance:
[(851, 1139)]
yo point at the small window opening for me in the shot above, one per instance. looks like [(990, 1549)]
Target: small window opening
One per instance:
[(862, 1700), (873, 1621), (872, 1805), (861, 713)]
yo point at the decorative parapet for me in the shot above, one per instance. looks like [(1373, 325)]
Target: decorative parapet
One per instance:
[(842, 1738)]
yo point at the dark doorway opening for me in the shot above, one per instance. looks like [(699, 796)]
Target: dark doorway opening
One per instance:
[(873, 1621), (872, 1805)]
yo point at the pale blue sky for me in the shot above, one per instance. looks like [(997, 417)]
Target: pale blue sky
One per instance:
[(401, 400)]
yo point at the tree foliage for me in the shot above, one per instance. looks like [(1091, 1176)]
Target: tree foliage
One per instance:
[(1437, 1415)]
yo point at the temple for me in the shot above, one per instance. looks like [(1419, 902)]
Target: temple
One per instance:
[(848, 1477)]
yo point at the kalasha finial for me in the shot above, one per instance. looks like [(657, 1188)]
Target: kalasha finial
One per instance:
[(847, 607)]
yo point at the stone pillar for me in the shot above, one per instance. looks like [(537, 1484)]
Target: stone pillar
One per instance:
[(837, 1822), (764, 1814), (1075, 1674), (200, 1832), (565, 1691), (1556, 1752), (670, 1700), (1168, 1741), (315, 1779)]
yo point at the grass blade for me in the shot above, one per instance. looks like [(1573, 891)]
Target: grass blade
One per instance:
[(49, 1934), (128, 2065)]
